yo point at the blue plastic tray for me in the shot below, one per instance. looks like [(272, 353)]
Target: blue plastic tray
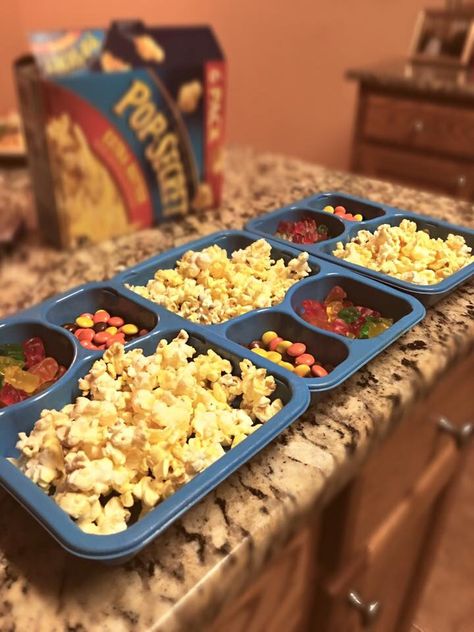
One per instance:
[(228, 338), (343, 230)]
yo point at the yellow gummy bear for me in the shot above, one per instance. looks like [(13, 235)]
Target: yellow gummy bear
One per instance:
[(22, 380)]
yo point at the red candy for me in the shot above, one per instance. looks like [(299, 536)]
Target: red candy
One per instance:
[(305, 358), (303, 231), (273, 344), (117, 338), (61, 371), (34, 351), (84, 335), (101, 338), (116, 321), (10, 395), (46, 369), (88, 345), (318, 371), (296, 349), (101, 316)]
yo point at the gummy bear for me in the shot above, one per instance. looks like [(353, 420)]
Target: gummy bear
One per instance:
[(349, 314), (21, 380), (10, 395), (61, 371), (34, 351), (12, 350), (336, 294), (46, 369)]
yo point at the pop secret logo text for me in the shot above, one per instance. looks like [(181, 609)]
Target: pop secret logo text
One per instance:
[(151, 126)]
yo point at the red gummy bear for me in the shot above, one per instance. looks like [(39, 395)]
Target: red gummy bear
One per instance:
[(335, 294), (34, 351), (46, 369), (10, 395)]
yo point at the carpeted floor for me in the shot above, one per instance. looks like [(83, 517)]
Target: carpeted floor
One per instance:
[(448, 601)]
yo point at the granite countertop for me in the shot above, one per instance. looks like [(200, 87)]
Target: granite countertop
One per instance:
[(432, 79), (185, 576)]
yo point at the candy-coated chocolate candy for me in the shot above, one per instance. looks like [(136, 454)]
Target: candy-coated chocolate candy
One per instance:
[(329, 209), (358, 217), (70, 327), (274, 343), (129, 329), (283, 346), (259, 351), (84, 334), (101, 316), (349, 216), (84, 322), (286, 365), (340, 209), (274, 356), (296, 349), (112, 330), (120, 338), (21, 380), (101, 338), (86, 315), (101, 347), (255, 344), (100, 327), (116, 321), (88, 345), (34, 351), (318, 371), (305, 358), (143, 332), (268, 336), (46, 370), (302, 370)]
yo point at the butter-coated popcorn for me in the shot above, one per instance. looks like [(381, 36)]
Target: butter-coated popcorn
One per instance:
[(208, 287), (142, 427), (407, 253)]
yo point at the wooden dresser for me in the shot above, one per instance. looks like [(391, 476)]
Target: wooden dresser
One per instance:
[(415, 125)]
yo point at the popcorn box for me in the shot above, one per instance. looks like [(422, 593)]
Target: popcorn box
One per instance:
[(124, 127)]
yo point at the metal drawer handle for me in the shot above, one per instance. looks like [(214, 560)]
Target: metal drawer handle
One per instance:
[(368, 611), (461, 181), (461, 434), (418, 126)]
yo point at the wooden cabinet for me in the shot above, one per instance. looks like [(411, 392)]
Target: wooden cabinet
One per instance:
[(427, 143), (362, 564)]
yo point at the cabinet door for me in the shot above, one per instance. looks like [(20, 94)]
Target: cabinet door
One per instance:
[(375, 597), (280, 598)]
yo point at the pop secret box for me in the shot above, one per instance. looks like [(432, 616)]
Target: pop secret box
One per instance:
[(124, 127)]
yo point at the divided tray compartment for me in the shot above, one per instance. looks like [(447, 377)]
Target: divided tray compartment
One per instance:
[(121, 546), (374, 215), (228, 338)]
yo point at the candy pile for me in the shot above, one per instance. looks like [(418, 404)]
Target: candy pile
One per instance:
[(100, 330), (338, 314), (341, 212), (25, 370), (143, 427), (208, 287), (290, 355), (303, 231), (407, 253)]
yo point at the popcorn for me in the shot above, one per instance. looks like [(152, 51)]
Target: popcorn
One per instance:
[(207, 287), (407, 253), (143, 426)]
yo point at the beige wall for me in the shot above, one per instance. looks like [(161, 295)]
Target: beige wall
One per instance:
[(287, 59)]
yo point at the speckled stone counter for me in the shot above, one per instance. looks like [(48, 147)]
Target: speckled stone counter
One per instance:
[(400, 74), (182, 579)]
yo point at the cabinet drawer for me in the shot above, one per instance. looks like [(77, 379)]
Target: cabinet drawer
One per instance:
[(453, 177), (382, 583), (389, 475), (418, 124)]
